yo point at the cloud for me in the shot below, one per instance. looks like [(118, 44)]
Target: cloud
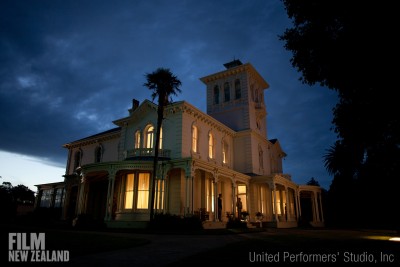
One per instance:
[(70, 68)]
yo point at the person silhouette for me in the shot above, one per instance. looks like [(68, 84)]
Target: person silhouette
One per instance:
[(220, 207)]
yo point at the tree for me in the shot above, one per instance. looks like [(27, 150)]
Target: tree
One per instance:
[(163, 84), (313, 182), (348, 46)]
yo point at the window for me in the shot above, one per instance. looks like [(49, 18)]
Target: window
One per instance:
[(225, 152), (242, 195), (77, 159), (149, 134), (97, 154), (45, 200), (261, 158), (137, 139), (216, 94), (210, 195), (238, 89), (143, 191), (59, 198), (159, 202), (210, 146), (194, 138), (227, 93), (129, 183), (137, 191), (161, 139)]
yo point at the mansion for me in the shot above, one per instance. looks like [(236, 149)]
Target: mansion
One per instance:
[(224, 152)]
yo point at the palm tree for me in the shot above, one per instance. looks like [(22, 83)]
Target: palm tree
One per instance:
[(163, 84)]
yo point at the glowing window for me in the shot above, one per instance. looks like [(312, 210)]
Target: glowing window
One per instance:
[(149, 137), (210, 146), (194, 138), (143, 191), (129, 187)]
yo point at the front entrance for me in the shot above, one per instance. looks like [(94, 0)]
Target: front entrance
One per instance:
[(97, 198)]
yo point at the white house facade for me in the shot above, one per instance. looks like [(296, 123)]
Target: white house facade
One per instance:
[(224, 152)]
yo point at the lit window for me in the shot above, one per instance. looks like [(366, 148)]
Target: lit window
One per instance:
[(242, 195), (194, 138), (216, 94), (137, 191), (159, 203), (238, 89), (129, 190), (143, 191), (227, 93), (137, 139), (210, 146), (225, 152), (149, 137), (210, 195), (161, 139)]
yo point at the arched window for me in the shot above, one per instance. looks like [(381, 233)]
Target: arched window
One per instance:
[(227, 92), (225, 152), (77, 159), (195, 138), (98, 153), (210, 145), (149, 135), (261, 157), (216, 94), (238, 89), (137, 139)]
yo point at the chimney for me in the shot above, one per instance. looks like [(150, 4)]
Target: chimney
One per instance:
[(135, 105)]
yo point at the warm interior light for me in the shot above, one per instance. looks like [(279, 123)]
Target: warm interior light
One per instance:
[(397, 239)]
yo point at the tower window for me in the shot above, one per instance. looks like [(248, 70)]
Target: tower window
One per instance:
[(216, 94), (238, 89), (227, 93)]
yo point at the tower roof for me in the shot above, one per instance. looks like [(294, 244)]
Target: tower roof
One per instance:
[(234, 63)]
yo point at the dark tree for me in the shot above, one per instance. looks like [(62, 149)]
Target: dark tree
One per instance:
[(11, 196), (350, 47), (163, 84), (313, 182)]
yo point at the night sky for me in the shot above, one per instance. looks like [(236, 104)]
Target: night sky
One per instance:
[(69, 68)]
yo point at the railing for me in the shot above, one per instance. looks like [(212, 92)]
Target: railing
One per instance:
[(146, 152)]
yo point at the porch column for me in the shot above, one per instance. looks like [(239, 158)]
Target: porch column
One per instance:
[(215, 199), (110, 195), (298, 204), (275, 204), (316, 207), (321, 207), (281, 204), (81, 198), (287, 207), (234, 199)]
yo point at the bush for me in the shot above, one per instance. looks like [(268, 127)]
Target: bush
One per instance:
[(236, 223), (169, 222)]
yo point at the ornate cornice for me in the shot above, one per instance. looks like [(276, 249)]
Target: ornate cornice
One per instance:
[(236, 70), (93, 140)]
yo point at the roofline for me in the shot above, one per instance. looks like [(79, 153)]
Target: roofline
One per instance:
[(234, 70), (106, 135)]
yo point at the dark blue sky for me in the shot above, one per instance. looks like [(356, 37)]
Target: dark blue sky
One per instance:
[(69, 68)]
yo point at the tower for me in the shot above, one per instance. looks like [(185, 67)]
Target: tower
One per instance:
[(235, 97)]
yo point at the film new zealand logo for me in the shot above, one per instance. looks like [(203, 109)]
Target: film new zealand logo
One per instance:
[(23, 247)]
